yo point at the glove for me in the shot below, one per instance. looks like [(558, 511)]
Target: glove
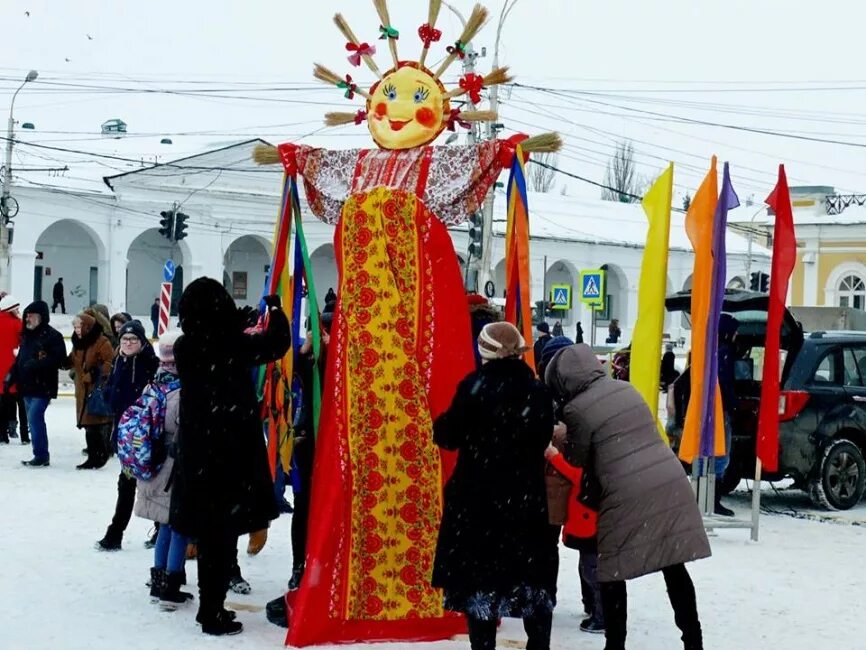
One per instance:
[(249, 316), (272, 301), (258, 539)]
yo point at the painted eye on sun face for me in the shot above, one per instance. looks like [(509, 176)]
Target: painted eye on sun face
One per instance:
[(390, 92), (421, 95)]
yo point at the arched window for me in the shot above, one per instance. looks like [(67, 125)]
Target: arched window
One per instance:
[(852, 292)]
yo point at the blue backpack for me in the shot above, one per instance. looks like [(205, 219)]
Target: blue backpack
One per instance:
[(140, 441)]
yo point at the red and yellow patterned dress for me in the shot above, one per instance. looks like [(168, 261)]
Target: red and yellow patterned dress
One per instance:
[(400, 343)]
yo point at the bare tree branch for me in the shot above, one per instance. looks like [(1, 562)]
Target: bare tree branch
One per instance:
[(620, 177), (541, 177)]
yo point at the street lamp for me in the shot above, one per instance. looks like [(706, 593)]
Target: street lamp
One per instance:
[(8, 205)]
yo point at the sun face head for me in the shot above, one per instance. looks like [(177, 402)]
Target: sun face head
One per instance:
[(407, 108)]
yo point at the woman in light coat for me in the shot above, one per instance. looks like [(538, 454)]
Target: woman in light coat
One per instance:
[(153, 500)]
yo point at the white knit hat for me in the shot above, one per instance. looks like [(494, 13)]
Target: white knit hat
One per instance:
[(500, 340), (8, 303), (165, 346)]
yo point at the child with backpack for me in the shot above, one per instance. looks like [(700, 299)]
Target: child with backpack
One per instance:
[(579, 533), (145, 447)]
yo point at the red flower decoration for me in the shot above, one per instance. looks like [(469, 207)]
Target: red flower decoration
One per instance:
[(375, 481), (429, 34), (409, 513), (375, 419), (407, 389), (359, 50), (370, 358), (409, 575), (363, 237), (360, 116), (409, 451), (373, 606), (366, 298), (454, 120), (472, 83)]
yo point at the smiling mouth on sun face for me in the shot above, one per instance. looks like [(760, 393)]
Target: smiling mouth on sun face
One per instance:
[(406, 109)]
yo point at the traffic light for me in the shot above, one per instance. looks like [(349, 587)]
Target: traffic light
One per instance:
[(180, 226), (476, 234), (765, 283), (759, 281), (166, 223)]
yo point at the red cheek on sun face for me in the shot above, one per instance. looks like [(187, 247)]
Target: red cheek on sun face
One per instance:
[(425, 117), (381, 109)]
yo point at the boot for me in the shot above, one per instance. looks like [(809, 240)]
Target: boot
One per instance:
[(157, 583), (719, 509), (109, 542), (171, 595), (219, 623), (276, 612), (237, 583), (297, 576)]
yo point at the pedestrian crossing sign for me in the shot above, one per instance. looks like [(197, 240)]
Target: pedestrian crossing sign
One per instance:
[(560, 296), (592, 287)]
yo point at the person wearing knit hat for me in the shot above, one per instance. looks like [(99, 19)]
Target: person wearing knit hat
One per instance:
[(134, 368), (553, 346), (543, 339), (496, 554), (153, 501), (500, 341)]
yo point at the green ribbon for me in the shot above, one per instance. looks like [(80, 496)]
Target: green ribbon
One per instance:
[(350, 92), (388, 32)]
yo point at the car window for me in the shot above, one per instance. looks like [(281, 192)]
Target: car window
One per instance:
[(827, 373), (852, 371), (860, 359)]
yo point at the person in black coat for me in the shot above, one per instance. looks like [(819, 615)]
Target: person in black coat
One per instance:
[(496, 556), (544, 336), (222, 484), (134, 368), (40, 355)]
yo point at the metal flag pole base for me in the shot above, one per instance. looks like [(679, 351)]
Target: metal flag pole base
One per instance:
[(704, 479)]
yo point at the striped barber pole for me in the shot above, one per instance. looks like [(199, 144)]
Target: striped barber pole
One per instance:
[(164, 307)]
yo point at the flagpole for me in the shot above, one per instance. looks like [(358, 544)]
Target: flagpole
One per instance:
[(756, 499)]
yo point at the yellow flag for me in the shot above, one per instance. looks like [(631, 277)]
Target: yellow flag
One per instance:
[(646, 343)]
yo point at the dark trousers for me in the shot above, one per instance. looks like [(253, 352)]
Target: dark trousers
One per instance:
[(681, 593), (587, 569), (482, 634), (59, 302), (8, 405), (123, 507), (217, 551), (303, 454), (23, 426), (95, 436)]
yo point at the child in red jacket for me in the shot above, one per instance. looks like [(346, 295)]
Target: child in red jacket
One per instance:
[(579, 532)]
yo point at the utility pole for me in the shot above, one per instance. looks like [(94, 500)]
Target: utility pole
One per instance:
[(8, 205)]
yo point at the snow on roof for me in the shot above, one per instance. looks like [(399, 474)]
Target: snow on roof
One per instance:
[(596, 221)]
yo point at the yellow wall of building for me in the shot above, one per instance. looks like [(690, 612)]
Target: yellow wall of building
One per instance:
[(797, 279), (827, 262)]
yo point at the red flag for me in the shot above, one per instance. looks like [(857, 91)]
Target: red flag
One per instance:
[(784, 258)]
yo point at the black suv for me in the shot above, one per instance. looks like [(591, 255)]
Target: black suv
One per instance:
[(822, 406)]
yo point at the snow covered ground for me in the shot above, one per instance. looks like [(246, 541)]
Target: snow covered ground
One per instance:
[(798, 588)]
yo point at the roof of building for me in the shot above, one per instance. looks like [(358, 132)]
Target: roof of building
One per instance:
[(143, 161)]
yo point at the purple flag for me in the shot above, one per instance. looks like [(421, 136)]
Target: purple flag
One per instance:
[(728, 200)]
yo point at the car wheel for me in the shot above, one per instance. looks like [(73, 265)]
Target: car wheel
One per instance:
[(841, 476)]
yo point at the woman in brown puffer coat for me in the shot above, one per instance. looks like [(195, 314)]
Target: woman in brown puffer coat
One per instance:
[(90, 360), (648, 519)]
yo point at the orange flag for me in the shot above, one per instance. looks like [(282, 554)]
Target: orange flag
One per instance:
[(699, 228)]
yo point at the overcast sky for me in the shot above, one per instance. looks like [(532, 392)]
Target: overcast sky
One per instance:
[(791, 66)]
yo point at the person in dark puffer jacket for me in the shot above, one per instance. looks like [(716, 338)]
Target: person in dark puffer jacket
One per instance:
[(134, 367), (34, 372)]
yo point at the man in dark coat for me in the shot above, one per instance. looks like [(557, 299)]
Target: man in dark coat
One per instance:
[(496, 556), (222, 485), (648, 519), (154, 317), (34, 372), (58, 299), (543, 330), (134, 368)]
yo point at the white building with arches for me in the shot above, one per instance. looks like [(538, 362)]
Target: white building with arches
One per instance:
[(103, 240)]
